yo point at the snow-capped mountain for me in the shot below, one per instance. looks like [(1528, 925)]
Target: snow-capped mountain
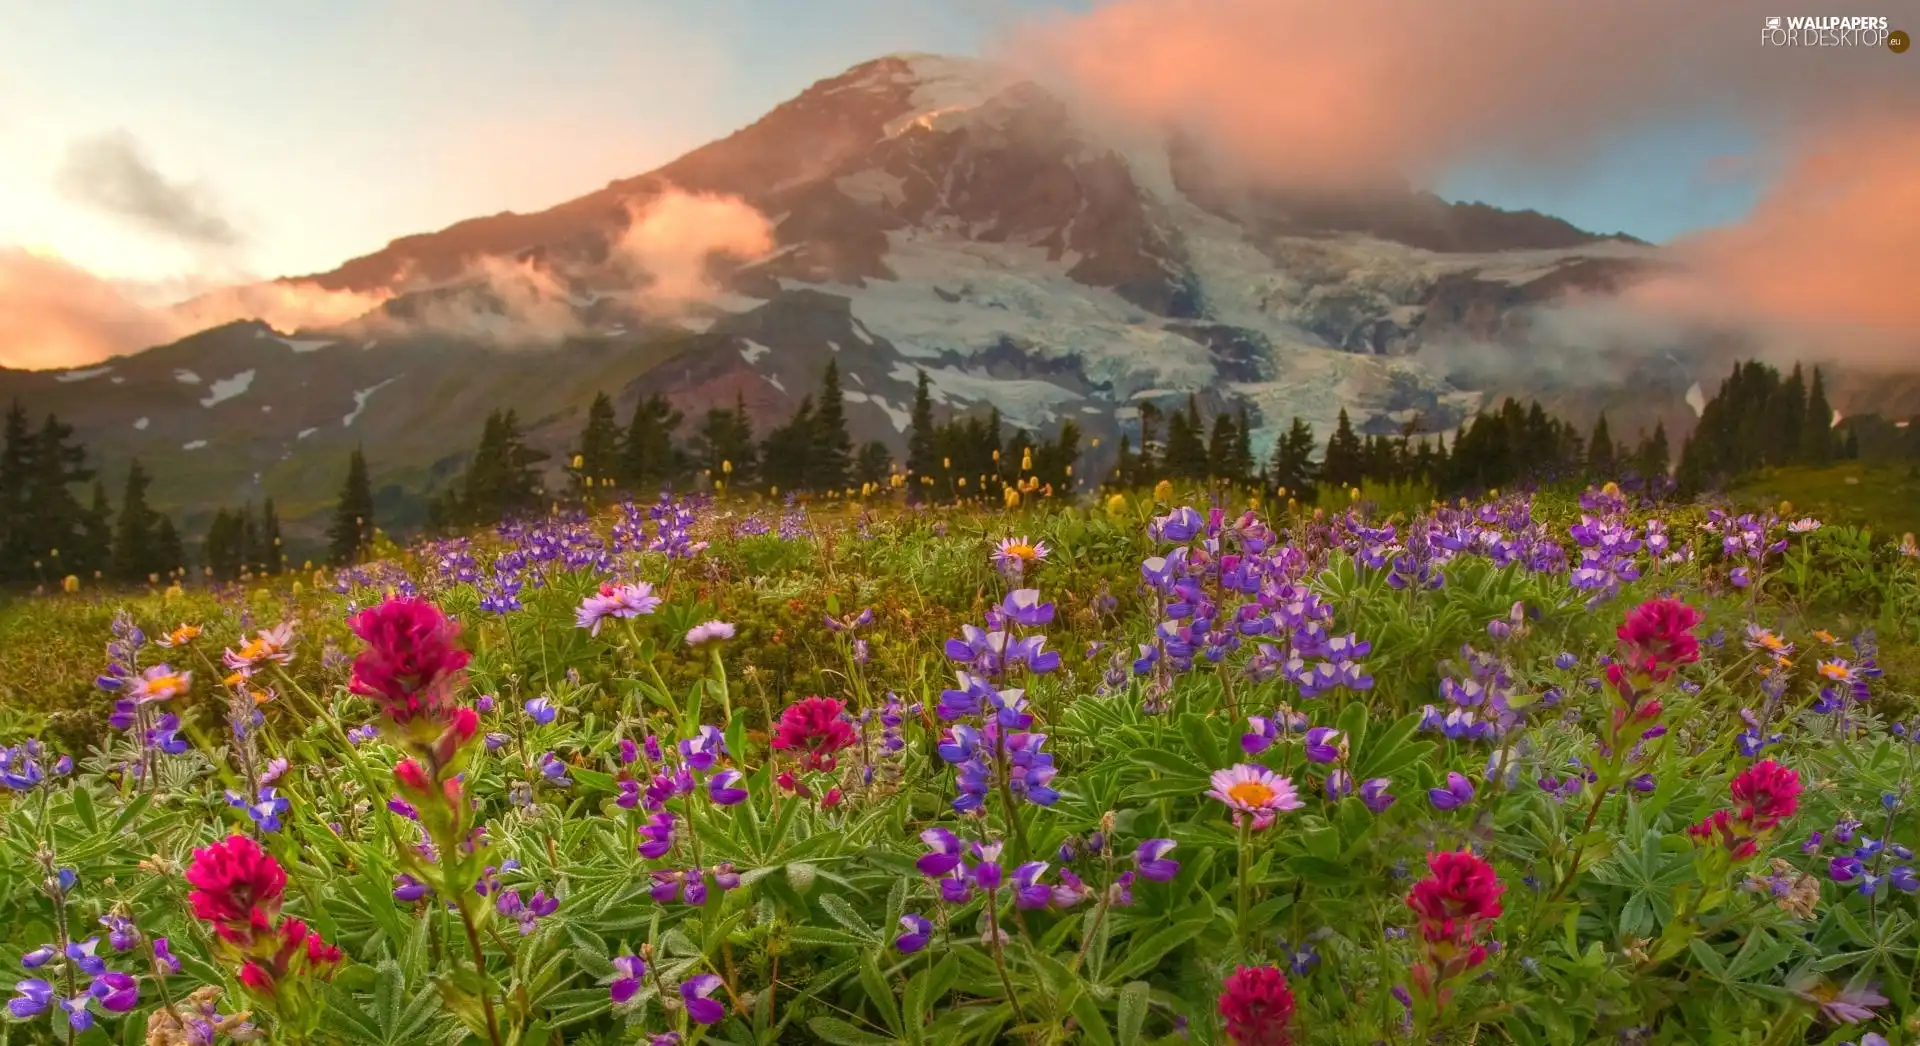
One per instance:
[(928, 213)]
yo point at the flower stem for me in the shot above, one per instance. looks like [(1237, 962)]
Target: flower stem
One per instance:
[(1246, 882), (480, 971), (999, 951)]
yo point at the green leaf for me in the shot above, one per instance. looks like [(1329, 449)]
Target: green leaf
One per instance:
[(881, 994), (1198, 732), (840, 1033), (1132, 1014), (841, 912), (83, 808), (1093, 1023)]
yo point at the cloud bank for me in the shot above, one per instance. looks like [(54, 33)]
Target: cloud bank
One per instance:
[(111, 173), (673, 239), (1300, 93)]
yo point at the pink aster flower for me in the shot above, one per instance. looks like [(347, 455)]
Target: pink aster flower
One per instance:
[(160, 683), (622, 601), (709, 632), (1256, 790)]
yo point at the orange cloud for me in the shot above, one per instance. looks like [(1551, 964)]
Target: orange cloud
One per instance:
[(55, 314), (673, 238), (283, 306), (1326, 93), (1828, 261)]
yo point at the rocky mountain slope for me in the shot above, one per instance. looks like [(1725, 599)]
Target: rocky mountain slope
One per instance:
[(929, 213)]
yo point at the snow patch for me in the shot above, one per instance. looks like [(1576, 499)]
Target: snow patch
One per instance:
[(834, 345), (1696, 399), (860, 331), (774, 381), (117, 380), (225, 389), (697, 324), (304, 433), (857, 379), (267, 409), (1025, 402), (82, 375), (753, 352), (140, 424), (371, 342), (305, 344), (186, 377), (900, 416), (360, 398), (194, 445)]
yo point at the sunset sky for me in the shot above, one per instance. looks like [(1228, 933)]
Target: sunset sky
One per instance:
[(301, 135)]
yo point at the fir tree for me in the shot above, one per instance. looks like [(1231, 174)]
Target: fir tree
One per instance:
[(1343, 466), (136, 548), (923, 460), (96, 555), (1603, 462), (1291, 469), (273, 554), (599, 452), (54, 520), (170, 557), (1789, 420), (1186, 443), (1816, 438), (352, 531), (1244, 464), (873, 465), (16, 468), (501, 482), (249, 540), (1223, 450), (831, 463), (723, 446), (220, 550), (650, 462), (786, 455), (1124, 464), (1147, 466), (1654, 458)]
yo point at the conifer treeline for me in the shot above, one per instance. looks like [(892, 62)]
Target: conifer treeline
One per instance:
[(1510, 446), (45, 533), (1760, 420)]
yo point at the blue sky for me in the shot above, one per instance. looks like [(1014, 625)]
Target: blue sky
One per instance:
[(324, 130)]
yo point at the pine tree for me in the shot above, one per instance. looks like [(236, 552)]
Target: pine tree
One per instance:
[(1292, 469), (273, 554), (136, 549), (96, 555), (1223, 450), (649, 462), (501, 482), (16, 467), (1789, 420), (1343, 466), (219, 550), (723, 446), (1655, 457), (1151, 460), (1603, 462), (352, 531), (249, 540), (1124, 465), (169, 556), (831, 463), (1186, 443), (923, 458), (1244, 464), (55, 522), (599, 452), (873, 465), (786, 455), (1816, 438)]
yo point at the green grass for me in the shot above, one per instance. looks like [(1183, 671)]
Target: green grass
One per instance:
[(1885, 498)]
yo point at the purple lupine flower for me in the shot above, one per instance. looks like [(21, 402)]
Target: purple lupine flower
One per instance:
[(704, 748), (1028, 891), (81, 953), (34, 997), (1323, 745), (407, 889), (554, 769), (39, 957), (1458, 792), (944, 856), (1262, 734), (1374, 794), (987, 874), (657, 835), (1151, 861), (163, 954), (629, 971), (1338, 786), (267, 811), (541, 710), (721, 788), (629, 752), (1023, 607), (694, 993), (116, 992), (122, 934), (917, 932)]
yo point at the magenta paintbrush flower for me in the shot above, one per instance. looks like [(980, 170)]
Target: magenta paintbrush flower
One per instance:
[(411, 662)]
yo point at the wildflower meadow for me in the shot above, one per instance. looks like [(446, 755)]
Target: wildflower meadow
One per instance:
[(1153, 768)]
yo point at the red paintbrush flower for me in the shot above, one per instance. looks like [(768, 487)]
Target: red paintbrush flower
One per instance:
[(411, 661), (237, 887), (1657, 637), (1257, 1004), (1769, 793), (814, 728), (1456, 903)]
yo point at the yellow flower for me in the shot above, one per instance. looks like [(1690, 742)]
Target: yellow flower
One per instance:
[(1824, 636), (180, 636), (70, 584), (1163, 491), (1117, 504)]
